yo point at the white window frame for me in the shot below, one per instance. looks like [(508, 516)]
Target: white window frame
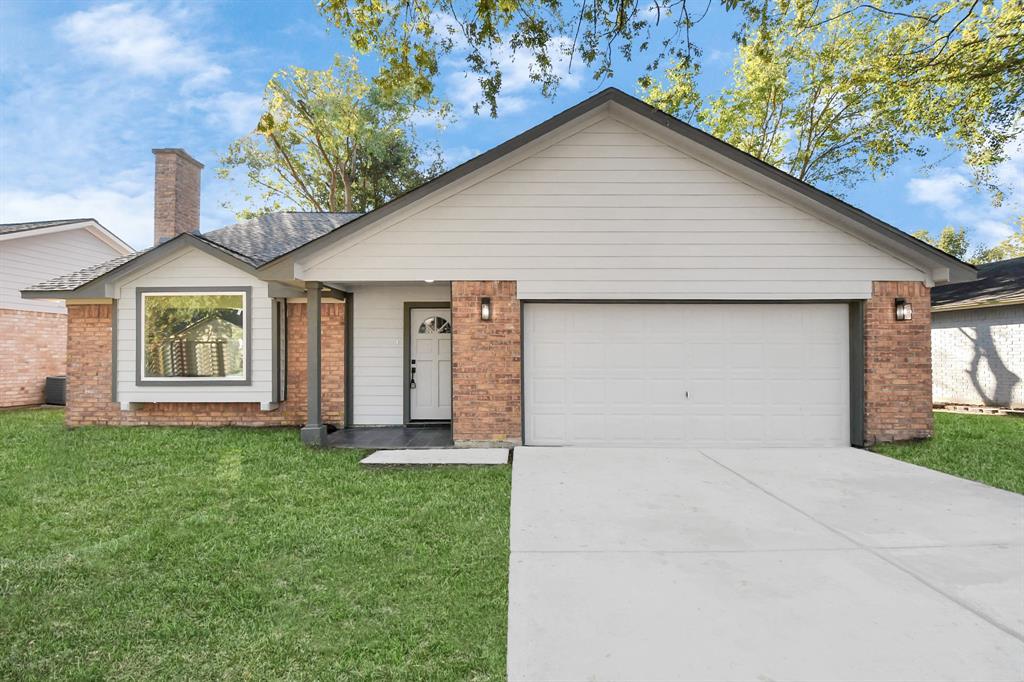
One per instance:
[(142, 293)]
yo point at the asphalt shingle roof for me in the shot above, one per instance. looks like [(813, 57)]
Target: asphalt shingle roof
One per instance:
[(11, 228), (83, 276), (997, 282), (268, 236), (256, 241)]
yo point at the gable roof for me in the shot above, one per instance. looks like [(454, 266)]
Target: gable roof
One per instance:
[(273, 237), (889, 235), (43, 227), (250, 242), (999, 283)]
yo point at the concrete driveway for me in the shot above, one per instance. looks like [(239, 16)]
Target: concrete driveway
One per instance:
[(789, 564)]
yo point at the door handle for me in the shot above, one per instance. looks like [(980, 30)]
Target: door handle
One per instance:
[(412, 375)]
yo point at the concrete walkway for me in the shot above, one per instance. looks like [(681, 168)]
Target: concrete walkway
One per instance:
[(789, 564), (437, 457)]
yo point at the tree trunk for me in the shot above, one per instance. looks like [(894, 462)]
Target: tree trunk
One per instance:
[(346, 181)]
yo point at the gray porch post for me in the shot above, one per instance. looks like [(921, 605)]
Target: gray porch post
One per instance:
[(314, 432)]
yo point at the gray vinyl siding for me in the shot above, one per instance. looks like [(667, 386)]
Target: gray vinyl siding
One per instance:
[(378, 328), (28, 260), (610, 212), (193, 268)]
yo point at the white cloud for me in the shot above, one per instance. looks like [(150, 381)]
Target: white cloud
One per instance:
[(128, 214), (949, 191), (119, 80), (993, 230), (945, 190), (124, 205), (134, 38), (235, 111)]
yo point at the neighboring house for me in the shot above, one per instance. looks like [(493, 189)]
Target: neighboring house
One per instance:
[(978, 338), (33, 333), (612, 275)]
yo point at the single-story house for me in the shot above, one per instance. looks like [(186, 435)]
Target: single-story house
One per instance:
[(33, 332), (612, 275), (978, 338)]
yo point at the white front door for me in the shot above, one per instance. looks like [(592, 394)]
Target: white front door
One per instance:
[(430, 363)]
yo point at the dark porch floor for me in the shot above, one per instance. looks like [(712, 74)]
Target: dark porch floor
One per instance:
[(392, 437)]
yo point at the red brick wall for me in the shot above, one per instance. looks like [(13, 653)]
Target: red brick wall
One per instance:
[(89, 377), (32, 345), (897, 364), (486, 364)]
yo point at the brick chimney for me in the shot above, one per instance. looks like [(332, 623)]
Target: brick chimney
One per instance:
[(176, 194)]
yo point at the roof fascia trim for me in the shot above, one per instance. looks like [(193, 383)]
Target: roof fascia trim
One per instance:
[(91, 226), (1017, 299), (111, 239)]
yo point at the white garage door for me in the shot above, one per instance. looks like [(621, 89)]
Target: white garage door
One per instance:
[(712, 375)]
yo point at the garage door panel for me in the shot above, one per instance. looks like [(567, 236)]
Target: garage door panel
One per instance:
[(587, 391), (700, 374)]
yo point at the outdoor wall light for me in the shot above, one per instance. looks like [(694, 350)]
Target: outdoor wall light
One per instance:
[(485, 309), (904, 311)]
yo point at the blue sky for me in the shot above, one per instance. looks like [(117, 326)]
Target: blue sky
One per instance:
[(87, 89)]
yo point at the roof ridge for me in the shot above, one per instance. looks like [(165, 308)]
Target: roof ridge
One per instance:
[(54, 220)]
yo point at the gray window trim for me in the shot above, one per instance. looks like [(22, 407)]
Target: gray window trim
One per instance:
[(114, 313), (857, 374), (349, 358), (407, 356), (279, 348), (139, 381)]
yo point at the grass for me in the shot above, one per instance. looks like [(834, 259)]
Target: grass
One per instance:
[(982, 448), (155, 553)]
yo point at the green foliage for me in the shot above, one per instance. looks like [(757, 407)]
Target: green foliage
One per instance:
[(952, 241), (956, 73), (862, 81), (838, 92), (796, 100), (409, 37), (332, 141), (956, 243), (239, 554)]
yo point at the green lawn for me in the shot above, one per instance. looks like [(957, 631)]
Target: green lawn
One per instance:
[(150, 553), (983, 448)]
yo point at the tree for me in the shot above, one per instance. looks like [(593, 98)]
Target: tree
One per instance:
[(952, 241), (951, 70), (332, 141), (410, 37), (956, 243), (797, 101)]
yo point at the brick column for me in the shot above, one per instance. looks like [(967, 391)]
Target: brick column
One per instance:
[(90, 366), (897, 364), (486, 364)]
